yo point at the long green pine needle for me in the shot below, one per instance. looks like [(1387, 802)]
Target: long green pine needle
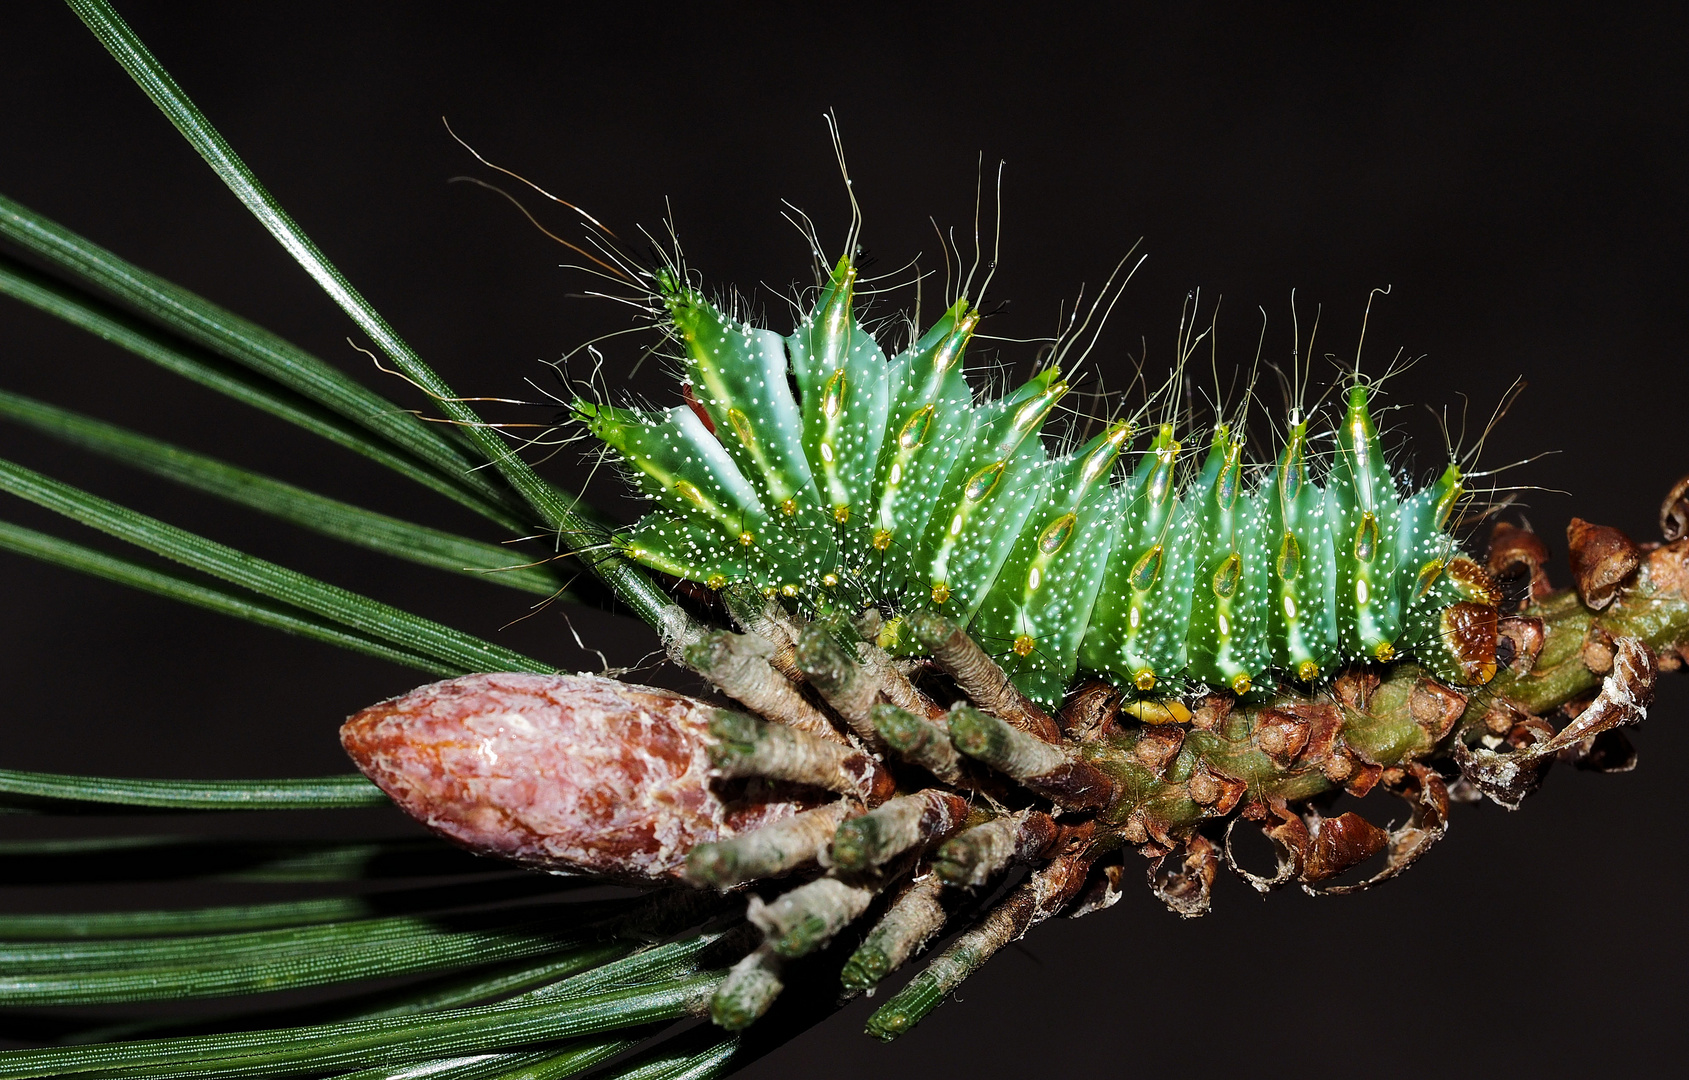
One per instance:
[(239, 604), (366, 1043), (245, 342), (560, 511), (98, 925), (307, 509), (316, 793), (172, 858), (360, 613), (269, 973), (221, 950), (173, 354), (580, 1055)]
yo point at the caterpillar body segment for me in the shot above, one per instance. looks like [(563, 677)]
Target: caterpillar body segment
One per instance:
[(838, 478), (985, 501), (1453, 626), (1228, 643), (705, 498), (822, 339), (739, 377), (1044, 594), (738, 374), (841, 376), (1141, 621), (1423, 545), (932, 418), (1302, 623), (1363, 509), (1449, 601)]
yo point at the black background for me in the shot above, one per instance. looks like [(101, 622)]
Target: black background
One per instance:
[(1517, 177)]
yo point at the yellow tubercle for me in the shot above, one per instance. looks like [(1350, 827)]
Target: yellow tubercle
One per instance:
[(1171, 711), (1024, 645), (890, 631), (1144, 680), (940, 592)]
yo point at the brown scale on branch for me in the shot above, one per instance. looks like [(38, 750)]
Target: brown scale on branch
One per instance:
[(882, 809), (984, 851), (741, 666)]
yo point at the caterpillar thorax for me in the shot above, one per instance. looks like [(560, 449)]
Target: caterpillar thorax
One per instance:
[(816, 468)]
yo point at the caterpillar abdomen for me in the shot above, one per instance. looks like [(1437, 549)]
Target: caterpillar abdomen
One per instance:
[(883, 482)]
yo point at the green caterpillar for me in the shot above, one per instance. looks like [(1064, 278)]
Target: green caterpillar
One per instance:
[(883, 481)]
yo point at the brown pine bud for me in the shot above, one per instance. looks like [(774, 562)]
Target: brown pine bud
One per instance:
[(565, 772)]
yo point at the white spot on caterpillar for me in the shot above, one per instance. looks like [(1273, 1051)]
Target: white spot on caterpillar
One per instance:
[(1361, 593), (827, 453)]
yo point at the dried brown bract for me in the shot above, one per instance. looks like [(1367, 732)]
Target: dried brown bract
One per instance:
[(1602, 558), (1517, 552), (1674, 511)]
